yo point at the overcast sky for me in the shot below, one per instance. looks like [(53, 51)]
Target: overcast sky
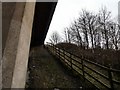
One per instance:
[(68, 10)]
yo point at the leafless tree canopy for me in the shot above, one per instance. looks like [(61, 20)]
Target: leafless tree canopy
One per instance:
[(94, 30), (55, 38)]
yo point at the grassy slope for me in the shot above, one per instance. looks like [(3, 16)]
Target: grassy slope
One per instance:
[(103, 57), (111, 55)]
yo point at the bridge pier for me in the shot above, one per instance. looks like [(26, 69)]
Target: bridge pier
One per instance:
[(20, 21), (16, 50)]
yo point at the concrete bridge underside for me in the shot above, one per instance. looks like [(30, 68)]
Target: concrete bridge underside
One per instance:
[(23, 24)]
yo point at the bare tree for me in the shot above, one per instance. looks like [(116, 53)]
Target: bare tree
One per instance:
[(91, 24), (67, 34), (114, 33), (75, 31), (55, 38), (104, 19), (96, 30), (97, 33), (82, 22)]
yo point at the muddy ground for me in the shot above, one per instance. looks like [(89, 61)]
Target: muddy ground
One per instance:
[(47, 72)]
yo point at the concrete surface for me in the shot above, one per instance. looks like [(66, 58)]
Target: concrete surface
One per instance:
[(9, 55), (23, 47), (7, 13), (16, 51)]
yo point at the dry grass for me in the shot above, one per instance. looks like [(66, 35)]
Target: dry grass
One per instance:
[(87, 53), (101, 56)]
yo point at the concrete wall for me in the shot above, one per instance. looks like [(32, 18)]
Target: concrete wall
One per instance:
[(16, 51), (7, 13)]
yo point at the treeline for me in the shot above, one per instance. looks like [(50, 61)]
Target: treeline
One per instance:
[(92, 31)]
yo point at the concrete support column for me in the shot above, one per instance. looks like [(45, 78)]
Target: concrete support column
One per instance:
[(19, 75), (15, 57)]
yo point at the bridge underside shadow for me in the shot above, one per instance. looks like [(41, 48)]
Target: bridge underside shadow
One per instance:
[(42, 18)]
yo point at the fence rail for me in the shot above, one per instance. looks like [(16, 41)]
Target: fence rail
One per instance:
[(99, 75)]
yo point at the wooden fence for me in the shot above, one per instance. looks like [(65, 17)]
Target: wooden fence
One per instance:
[(102, 77)]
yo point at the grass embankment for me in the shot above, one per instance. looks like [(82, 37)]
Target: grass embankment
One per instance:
[(101, 56), (74, 49)]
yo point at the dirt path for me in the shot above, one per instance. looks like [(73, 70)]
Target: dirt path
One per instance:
[(46, 72)]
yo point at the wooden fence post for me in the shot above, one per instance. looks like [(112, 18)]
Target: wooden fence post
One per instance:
[(71, 60), (83, 68), (54, 49), (59, 53), (110, 78), (64, 55)]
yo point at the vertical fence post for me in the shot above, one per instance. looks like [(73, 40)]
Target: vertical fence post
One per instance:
[(110, 78), (71, 60), (82, 61), (64, 55), (53, 48), (59, 53)]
